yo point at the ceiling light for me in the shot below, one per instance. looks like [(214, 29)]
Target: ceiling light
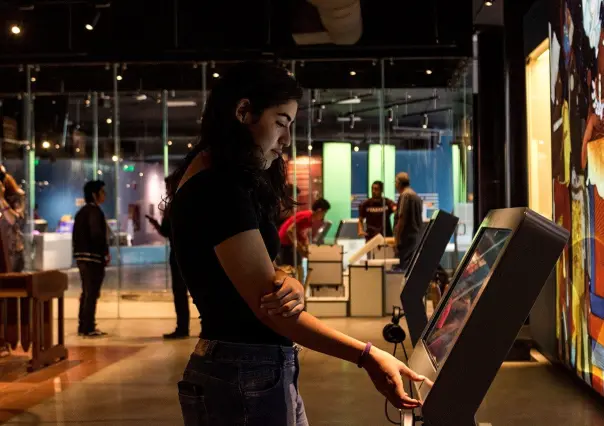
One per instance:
[(119, 77), (87, 102), (99, 172), (189, 145), (215, 75), (429, 71), (90, 25), (141, 174), (469, 147), (350, 101), (109, 121), (177, 104), (356, 149), (114, 158), (33, 79), (353, 73), (77, 149), (310, 147), (141, 97), (169, 143), (45, 144), (425, 122), (488, 3), (347, 119), (57, 146), (15, 29)]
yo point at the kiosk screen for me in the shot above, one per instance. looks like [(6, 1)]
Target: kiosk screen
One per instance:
[(447, 322)]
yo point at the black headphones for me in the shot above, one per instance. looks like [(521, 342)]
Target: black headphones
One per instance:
[(393, 332)]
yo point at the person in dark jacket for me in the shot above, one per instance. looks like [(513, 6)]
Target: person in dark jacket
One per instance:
[(409, 221), (91, 252), (179, 289)]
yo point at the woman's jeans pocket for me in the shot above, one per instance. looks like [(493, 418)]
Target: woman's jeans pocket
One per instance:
[(260, 380), (192, 404)]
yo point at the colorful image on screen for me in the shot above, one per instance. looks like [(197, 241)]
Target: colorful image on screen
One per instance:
[(452, 314)]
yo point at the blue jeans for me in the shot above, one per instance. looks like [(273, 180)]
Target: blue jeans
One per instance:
[(232, 384)]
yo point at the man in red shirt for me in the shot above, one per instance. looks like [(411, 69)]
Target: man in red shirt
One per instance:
[(295, 229)]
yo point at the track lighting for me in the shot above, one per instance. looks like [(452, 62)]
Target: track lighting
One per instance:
[(15, 29), (425, 122)]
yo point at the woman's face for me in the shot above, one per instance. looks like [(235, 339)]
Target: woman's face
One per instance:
[(271, 131)]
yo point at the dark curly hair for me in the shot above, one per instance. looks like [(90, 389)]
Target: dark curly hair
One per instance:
[(230, 144)]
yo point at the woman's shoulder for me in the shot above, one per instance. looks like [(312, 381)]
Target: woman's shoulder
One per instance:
[(210, 185)]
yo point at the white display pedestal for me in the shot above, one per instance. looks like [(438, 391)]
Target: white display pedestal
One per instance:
[(327, 292), (369, 291), (53, 251)]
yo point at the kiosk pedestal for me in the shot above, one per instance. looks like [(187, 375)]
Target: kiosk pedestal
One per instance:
[(326, 291)]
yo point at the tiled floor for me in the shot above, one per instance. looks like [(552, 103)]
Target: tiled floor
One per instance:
[(138, 386)]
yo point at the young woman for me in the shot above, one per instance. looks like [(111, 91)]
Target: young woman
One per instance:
[(230, 191)]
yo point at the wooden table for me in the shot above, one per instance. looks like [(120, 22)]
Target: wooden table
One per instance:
[(26, 314)]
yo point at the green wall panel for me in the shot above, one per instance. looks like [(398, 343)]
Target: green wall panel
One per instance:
[(337, 166), (385, 172)]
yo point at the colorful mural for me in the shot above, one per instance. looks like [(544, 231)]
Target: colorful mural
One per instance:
[(577, 69)]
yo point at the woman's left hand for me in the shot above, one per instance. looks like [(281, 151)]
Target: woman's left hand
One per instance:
[(287, 300)]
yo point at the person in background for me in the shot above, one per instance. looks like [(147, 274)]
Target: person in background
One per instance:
[(296, 229), (12, 220), (409, 220), (372, 212), (91, 252), (179, 289)]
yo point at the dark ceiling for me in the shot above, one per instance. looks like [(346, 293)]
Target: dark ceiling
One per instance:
[(161, 45), (431, 34)]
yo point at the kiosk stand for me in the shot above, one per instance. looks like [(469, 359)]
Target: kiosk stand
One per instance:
[(421, 270), (326, 292), (480, 315)]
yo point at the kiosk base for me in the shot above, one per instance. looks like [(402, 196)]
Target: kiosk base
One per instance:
[(408, 418)]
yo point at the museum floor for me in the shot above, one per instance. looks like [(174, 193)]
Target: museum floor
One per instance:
[(130, 379)]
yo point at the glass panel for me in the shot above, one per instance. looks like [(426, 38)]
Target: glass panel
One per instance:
[(69, 114), (448, 322)]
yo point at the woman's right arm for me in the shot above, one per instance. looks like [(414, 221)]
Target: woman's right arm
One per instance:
[(246, 262)]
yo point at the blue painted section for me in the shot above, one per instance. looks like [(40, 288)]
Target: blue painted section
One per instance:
[(597, 305), (360, 174), (430, 171), (597, 355)]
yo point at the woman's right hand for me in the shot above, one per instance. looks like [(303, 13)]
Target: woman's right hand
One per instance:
[(386, 373)]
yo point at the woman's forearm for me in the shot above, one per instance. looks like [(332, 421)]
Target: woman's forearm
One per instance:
[(314, 334)]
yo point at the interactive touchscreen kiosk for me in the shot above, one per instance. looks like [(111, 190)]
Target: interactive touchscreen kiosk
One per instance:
[(480, 315), (421, 269), (319, 236)]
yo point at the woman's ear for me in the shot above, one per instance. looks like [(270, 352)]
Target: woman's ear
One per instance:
[(243, 111)]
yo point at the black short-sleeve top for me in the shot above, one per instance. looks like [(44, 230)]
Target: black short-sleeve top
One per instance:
[(208, 209)]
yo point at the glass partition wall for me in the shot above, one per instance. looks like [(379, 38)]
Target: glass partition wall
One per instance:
[(130, 125)]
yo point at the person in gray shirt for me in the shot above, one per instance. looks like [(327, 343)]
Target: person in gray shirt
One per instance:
[(409, 221)]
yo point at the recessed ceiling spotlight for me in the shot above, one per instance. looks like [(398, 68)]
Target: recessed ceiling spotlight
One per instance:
[(15, 29), (90, 25), (119, 77), (488, 3), (109, 121), (429, 71), (353, 73), (33, 79), (356, 149), (215, 75)]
